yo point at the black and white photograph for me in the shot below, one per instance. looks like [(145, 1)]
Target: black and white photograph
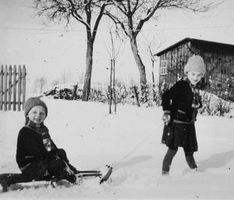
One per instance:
[(116, 99)]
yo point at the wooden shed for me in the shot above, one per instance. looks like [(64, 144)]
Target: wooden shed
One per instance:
[(218, 58)]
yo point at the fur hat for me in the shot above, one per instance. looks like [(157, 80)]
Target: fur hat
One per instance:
[(34, 101), (195, 63)]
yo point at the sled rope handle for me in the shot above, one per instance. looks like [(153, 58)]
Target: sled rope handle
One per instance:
[(135, 148)]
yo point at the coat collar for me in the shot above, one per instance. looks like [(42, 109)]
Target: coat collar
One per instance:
[(41, 128)]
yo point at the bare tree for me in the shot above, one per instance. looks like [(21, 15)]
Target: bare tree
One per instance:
[(113, 54), (66, 77), (131, 15), (151, 45), (40, 84), (55, 82), (83, 11)]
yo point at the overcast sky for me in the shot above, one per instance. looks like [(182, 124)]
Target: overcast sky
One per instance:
[(50, 50)]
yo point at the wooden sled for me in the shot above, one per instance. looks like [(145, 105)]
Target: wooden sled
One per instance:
[(8, 179)]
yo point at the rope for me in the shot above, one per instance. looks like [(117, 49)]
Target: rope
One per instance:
[(134, 149)]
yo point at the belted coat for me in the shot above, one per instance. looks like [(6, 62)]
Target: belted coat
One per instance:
[(181, 101)]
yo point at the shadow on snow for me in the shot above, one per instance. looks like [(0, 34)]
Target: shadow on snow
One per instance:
[(216, 160)]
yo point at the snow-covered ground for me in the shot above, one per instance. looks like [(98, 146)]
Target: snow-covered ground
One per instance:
[(130, 142)]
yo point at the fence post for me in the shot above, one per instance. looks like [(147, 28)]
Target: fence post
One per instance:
[(14, 88), (9, 87), (19, 87), (5, 89), (1, 88), (24, 85)]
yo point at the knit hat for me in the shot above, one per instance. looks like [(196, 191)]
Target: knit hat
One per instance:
[(34, 101), (195, 63)]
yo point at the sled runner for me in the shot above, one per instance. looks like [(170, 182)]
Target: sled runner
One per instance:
[(8, 179)]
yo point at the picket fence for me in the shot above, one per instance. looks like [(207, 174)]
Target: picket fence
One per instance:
[(12, 87)]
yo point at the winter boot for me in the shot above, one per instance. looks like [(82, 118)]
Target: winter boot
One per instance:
[(3, 182), (191, 162), (60, 170), (74, 170)]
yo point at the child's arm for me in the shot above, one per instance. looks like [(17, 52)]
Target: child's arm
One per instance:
[(167, 98), (166, 105)]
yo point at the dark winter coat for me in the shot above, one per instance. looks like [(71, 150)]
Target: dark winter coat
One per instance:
[(179, 102), (30, 146), (38, 156)]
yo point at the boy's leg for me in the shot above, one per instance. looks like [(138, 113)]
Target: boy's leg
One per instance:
[(62, 154), (60, 169), (168, 160), (75, 171), (36, 169)]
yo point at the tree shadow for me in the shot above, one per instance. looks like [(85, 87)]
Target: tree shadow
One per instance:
[(216, 161)]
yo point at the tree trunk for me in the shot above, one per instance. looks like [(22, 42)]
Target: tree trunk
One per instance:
[(88, 73), (140, 65), (141, 68)]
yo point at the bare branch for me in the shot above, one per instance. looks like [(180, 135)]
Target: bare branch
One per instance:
[(117, 22), (98, 20), (137, 12), (120, 5)]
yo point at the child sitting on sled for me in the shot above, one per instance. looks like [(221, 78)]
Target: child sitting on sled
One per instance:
[(37, 155)]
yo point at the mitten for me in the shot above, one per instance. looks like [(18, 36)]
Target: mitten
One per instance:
[(166, 118)]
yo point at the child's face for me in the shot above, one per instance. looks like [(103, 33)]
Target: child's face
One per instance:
[(194, 77), (37, 114)]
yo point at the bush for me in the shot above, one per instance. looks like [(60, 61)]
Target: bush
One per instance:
[(213, 105), (150, 96)]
